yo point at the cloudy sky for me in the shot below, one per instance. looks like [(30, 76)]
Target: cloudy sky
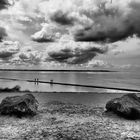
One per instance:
[(69, 33)]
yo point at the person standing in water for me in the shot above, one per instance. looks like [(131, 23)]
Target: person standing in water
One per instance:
[(51, 81), (37, 81)]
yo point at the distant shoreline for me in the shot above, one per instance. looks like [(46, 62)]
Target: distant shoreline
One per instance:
[(51, 70), (62, 92)]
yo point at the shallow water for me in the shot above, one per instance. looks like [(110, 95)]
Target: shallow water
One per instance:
[(90, 99), (112, 79)]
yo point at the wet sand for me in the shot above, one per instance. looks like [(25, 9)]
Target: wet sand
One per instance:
[(86, 98), (69, 116)]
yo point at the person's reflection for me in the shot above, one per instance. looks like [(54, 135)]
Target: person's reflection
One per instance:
[(36, 81), (51, 82)]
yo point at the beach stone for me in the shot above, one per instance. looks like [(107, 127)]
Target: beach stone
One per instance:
[(19, 105), (128, 106)]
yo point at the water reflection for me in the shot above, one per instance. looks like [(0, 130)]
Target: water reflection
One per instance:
[(121, 79)]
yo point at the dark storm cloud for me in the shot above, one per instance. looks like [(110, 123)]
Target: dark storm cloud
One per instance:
[(42, 40), (95, 21), (77, 55), (62, 18), (101, 35), (3, 4), (3, 33), (5, 55), (111, 23)]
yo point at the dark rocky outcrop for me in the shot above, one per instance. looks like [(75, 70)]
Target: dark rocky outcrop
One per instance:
[(19, 105), (17, 88), (128, 106)]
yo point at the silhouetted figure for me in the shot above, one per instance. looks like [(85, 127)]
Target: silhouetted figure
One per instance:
[(37, 81), (51, 82)]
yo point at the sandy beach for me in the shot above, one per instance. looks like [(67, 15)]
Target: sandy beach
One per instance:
[(64, 116)]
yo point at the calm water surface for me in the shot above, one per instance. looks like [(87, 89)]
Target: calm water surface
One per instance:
[(111, 79)]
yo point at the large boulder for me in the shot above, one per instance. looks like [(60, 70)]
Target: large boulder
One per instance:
[(127, 106), (19, 105)]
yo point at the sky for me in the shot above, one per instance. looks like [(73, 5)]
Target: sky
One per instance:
[(46, 34)]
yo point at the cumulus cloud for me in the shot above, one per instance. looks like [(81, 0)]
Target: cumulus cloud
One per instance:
[(95, 20), (28, 55), (104, 64), (91, 25), (74, 53), (97, 63), (90, 20), (8, 49), (21, 19), (24, 8), (42, 36), (117, 52), (47, 34)]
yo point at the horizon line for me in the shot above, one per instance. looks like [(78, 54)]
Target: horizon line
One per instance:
[(64, 70)]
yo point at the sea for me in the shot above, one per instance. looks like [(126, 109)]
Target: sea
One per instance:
[(115, 79)]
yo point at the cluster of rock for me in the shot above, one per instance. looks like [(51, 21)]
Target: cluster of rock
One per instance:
[(19, 105), (127, 106), (67, 121)]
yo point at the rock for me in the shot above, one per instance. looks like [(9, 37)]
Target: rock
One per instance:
[(128, 106), (129, 138), (19, 105)]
